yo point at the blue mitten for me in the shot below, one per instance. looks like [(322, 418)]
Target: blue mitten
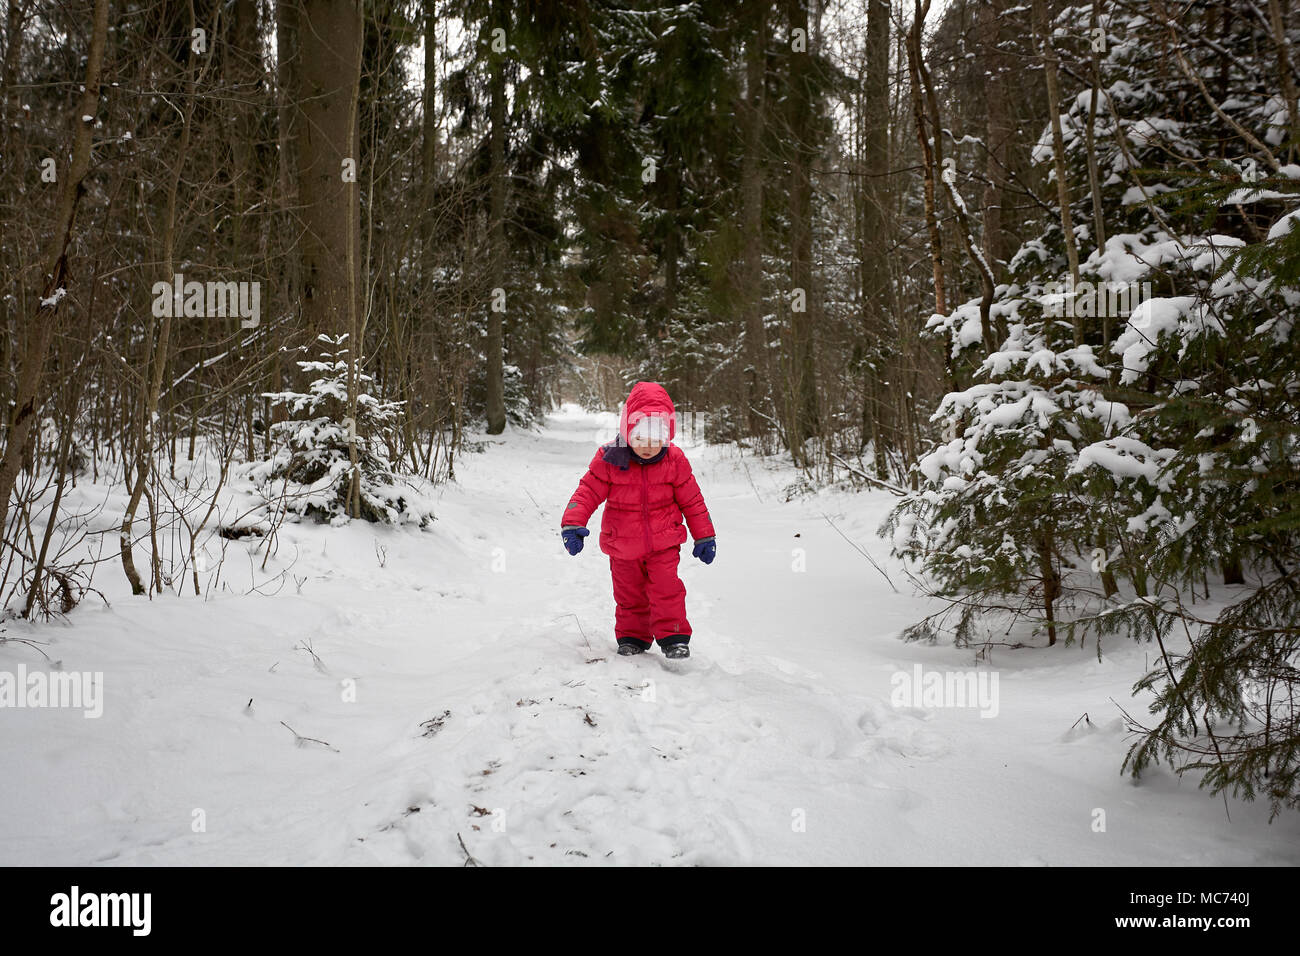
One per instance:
[(573, 536), (705, 549)]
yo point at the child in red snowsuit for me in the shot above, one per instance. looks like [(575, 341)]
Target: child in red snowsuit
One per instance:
[(648, 487)]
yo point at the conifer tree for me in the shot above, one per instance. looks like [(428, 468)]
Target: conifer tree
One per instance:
[(1144, 421), (312, 471)]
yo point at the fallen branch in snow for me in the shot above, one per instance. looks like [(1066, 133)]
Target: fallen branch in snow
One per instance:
[(540, 510), (300, 739), (469, 857), (23, 640), (434, 724), (306, 646), (860, 551), (580, 631), (892, 489)]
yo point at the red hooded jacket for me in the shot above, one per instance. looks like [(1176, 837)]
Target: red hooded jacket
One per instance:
[(645, 499)]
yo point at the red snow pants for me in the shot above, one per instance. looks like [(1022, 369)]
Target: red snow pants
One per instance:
[(650, 598)]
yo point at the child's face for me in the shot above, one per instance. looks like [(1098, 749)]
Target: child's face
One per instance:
[(646, 447), (648, 434)]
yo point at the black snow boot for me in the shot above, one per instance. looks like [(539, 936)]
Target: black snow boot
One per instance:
[(676, 646), (627, 646)]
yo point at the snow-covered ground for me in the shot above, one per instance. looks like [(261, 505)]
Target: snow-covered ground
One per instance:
[(465, 682)]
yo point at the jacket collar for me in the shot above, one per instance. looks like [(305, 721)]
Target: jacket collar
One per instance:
[(658, 456), (621, 456)]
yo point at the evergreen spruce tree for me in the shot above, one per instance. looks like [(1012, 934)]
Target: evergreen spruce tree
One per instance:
[(1159, 444), (1229, 704), (313, 469)]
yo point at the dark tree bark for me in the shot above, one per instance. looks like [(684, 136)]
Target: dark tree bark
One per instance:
[(496, 406), (42, 324), (758, 378), (999, 129), (874, 279), (802, 420), (328, 65), (930, 151)]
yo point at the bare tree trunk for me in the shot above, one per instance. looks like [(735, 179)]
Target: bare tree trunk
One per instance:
[(436, 387), (286, 52), (429, 130), (874, 277), (802, 419), (1232, 570), (1051, 581), (999, 129), (1058, 150), (1090, 138), (496, 407), (328, 62), (246, 72), (949, 178), (356, 316), (287, 19), (42, 324), (429, 173), (156, 363), (15, 21), (1276, 19), (929, 149), (757, 372), (1109, 585), (62, 466)]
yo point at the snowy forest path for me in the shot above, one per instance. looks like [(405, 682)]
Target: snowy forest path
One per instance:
[(574, 752), (778, 741)]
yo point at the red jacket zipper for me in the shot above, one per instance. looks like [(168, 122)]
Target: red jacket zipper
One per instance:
[(645, 510)]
